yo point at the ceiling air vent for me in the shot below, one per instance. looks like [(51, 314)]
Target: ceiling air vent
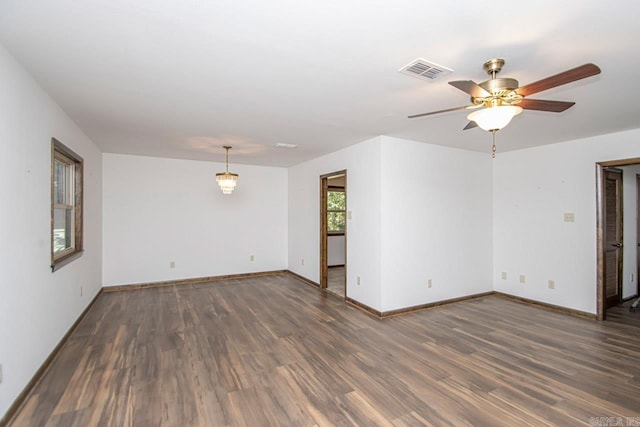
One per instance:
[(425, 70)]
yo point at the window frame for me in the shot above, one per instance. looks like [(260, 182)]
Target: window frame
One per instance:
[(62, 153), (330, 211)]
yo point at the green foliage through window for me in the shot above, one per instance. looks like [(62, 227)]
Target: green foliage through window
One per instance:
[(66, 204), (336, 215)]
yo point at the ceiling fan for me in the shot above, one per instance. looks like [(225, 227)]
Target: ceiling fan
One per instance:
[(503, 99)]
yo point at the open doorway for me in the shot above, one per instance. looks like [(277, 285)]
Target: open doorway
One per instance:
[(333, 233), (618, 240)]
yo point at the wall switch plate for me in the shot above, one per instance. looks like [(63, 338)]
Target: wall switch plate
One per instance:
[(80, 290), (302, 261), (504, 275), (569, 217), (522, 278), (552, 284), (172, 264), (0, 373), (349, 215), (251, 258), (358, 280), (430, 283)]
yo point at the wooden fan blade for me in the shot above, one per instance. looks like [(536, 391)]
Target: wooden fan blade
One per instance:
[(470, 125), (578, 73), (471, 88), (543, 105), (441, 111)]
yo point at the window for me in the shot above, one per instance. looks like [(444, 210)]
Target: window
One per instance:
[(66, 205), (336, 210)]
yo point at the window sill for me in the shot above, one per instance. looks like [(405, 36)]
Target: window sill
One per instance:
[(61, 262)]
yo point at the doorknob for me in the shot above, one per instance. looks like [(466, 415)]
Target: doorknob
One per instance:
[(617, 245)]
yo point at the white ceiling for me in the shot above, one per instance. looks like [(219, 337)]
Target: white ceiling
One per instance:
[(181, 78)]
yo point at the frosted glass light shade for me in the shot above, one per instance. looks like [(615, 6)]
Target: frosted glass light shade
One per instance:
[(494, 118), (227, 181)]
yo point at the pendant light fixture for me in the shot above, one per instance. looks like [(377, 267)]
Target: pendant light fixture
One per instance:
[(227, 180)]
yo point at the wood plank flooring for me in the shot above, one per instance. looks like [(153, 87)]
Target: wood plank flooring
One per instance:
[(273, 351), (621, 314), (335, 280)]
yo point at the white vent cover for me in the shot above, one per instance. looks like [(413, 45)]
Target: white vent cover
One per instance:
[(422, 69)]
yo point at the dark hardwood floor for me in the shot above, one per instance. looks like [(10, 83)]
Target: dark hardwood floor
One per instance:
[(274, 351), (621, 314), (336, 280)]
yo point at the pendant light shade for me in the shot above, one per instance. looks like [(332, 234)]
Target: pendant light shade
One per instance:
[(227, 180), (494, 118)]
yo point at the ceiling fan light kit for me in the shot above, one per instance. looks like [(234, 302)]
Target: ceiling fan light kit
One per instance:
[(501, 99), (494, 118)]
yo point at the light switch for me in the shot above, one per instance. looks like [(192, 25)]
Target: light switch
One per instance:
[(569, 217), (349, 215)]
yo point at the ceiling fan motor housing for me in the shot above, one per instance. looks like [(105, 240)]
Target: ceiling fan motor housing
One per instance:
[(499, 86), (501, 90)]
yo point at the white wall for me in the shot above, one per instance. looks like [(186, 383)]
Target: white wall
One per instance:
[(436, 223), (161, 210), (37, 307), (533, 188), (401, 235), (336, 254), (630, 235), (362, 162)]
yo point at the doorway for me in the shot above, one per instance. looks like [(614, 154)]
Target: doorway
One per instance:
[(612, 237), (333, 233), (618, 238)]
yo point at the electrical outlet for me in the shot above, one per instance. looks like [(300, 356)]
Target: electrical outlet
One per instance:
[(302, 262), (569, 217), (504, 275), (430, 283), (251, 258), (172, 264), (522, 278), (552, 284), (358, 280)]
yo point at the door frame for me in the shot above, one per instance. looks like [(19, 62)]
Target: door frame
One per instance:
[(324, 241), (618, 175), (637, 235), (600, 182)]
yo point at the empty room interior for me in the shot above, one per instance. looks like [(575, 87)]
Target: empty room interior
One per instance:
[(335, 213)]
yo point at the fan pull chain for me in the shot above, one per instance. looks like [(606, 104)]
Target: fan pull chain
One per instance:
[(493, 147)]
